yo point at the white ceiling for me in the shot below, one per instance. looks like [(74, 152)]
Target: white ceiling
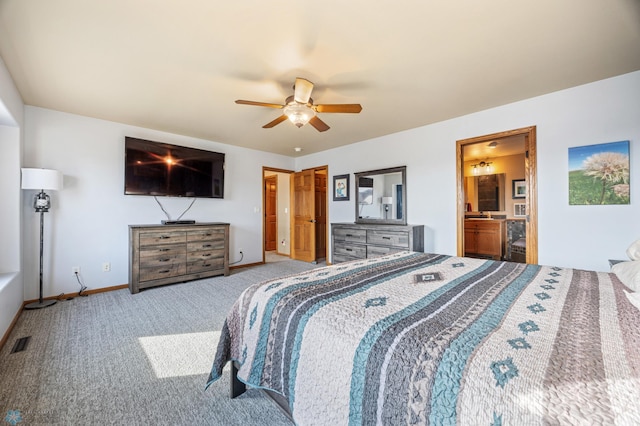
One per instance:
[(179, 66)]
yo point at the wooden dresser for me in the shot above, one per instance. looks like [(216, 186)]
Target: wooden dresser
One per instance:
[(165, 254), (351, 241)]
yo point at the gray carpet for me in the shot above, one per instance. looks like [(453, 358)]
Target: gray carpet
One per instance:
[(118, 358)]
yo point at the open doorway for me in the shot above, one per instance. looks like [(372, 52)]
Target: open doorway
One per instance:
[(512, 207), (276, 201)]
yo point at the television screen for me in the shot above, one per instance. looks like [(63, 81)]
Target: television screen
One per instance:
[(154, 168)]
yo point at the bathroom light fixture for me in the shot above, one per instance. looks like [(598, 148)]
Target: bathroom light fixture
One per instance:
[(492, 145), (481, 167)]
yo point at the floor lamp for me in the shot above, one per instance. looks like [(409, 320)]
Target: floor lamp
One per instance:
[(41, 179)]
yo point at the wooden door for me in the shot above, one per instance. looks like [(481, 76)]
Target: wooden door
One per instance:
[(303, 236), (320, 216), (270, 216)]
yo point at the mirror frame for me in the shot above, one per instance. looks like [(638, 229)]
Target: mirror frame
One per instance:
[(403, 173)]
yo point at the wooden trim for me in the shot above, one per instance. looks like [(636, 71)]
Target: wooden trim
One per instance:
[(247, 265), (531, 173), (265, 170), (10, 328)]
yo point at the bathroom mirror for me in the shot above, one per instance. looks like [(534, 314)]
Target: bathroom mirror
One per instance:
[(381, 196), (486, 193)]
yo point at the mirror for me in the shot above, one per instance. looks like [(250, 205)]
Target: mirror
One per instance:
[(381, 196), (485, 193)]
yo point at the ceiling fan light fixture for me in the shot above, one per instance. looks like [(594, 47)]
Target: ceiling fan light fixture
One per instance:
[(299, 114)]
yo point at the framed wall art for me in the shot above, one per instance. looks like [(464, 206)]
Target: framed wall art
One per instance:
[(599, 174), (341, 188), (518, 188)]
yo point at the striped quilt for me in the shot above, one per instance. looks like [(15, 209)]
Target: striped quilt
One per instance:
[(415, 338)]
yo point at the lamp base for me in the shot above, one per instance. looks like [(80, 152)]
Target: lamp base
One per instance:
[(38, 305)]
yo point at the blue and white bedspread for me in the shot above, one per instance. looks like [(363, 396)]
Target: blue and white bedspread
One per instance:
[(417, 338)]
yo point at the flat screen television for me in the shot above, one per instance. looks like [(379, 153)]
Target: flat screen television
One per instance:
[(160, 169)]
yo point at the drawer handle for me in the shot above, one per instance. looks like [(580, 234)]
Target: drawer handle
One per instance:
[(206, 265), (386, 238), (348, 249), (164, 271), (348, 235), (164, 237), (207, 245), (206, 255), (164, 260), (164, 249)]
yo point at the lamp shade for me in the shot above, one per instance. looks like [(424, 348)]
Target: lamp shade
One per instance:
[(387, 200), (41, 179)]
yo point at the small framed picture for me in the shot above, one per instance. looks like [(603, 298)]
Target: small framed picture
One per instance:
[(519, 209), (518, 188), (341, 188)]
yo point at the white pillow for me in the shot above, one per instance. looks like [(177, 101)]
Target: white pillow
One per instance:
[(628, 273), (634, 298), (634, 251)]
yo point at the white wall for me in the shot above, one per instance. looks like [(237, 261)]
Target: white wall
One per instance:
[(89, 219), (571, 236), (11, 119)]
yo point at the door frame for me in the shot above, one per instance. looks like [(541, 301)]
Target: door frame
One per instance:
[(264, 206), (531, 184)]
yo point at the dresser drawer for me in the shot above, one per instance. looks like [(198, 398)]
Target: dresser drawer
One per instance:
[(216, 234), (377, 251), (205, 245), (163, 270), (161, 250), (350, 235), (155, 238), (151, 259), (206, 254), (195, 265), (353, 251), (388, 238)]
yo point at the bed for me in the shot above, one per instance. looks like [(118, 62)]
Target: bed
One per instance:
[(416, 338)]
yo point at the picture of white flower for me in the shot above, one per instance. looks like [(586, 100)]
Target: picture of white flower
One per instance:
[(599, 174)]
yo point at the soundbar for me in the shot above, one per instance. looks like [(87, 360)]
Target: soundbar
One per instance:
[(178, 222)]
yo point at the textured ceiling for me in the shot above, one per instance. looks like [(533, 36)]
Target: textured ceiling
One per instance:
[(179, 66)]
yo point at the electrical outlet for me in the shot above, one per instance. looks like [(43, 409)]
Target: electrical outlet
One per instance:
[(75, 270), (240, 250), (106, 267)]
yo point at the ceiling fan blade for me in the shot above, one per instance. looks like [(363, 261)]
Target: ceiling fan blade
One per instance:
[(264, 104), (350, 108), (320, 125), (302, 90), (274, 122)]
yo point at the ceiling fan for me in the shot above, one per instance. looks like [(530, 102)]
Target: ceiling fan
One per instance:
[(300, 110)]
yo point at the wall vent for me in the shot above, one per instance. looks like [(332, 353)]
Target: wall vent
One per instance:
[(21, 344)]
